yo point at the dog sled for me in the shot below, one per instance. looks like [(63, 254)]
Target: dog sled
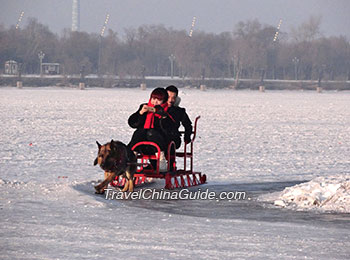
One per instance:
[(177, 174)]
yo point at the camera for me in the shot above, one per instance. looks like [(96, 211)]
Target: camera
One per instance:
[(151, 109)]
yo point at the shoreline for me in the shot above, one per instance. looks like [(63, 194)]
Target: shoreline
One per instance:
[(155, 81)]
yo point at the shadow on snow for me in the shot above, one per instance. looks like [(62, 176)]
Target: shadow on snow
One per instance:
[(245, 209)]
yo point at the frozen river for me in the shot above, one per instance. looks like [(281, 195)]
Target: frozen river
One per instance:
[(247, 141)]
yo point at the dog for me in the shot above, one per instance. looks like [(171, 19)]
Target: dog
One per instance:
[(116, 159)]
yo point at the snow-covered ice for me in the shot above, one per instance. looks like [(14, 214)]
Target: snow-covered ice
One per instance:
[(288, 150), (326, 193)]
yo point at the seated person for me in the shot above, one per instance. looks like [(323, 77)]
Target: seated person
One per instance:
[(179, 115), (152, 122)]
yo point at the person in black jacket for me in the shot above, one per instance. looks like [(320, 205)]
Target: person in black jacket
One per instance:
[(179, 115), (152, 121)]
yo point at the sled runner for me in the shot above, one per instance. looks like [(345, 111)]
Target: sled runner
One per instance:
[(175, 175)]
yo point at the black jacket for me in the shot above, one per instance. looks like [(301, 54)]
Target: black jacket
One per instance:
[(164, 124), (180, 116)]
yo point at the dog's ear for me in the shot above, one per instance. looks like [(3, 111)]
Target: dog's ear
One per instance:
[(95, 162), (113, 144), (99, 145)]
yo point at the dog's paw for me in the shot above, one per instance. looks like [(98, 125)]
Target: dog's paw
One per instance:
[(99, 191)]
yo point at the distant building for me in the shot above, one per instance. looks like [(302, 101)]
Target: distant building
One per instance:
[(50, 68), (11, 67)]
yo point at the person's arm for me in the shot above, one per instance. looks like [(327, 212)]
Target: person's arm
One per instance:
[(186, 122), (138, 118)]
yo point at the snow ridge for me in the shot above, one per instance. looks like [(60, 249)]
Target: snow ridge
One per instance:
[(322, 193)]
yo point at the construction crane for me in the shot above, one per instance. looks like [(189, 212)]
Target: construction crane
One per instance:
[(100, 45), (104, 25), (19, 20), (277, 31), (192, 26)]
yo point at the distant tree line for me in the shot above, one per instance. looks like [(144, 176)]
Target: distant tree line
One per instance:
[(248, 52)]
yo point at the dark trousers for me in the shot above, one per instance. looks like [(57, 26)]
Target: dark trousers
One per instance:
[(150, 135)]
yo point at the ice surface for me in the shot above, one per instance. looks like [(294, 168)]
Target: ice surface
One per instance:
[(261, 143)]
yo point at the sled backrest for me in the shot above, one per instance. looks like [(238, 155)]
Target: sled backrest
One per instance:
[(188, 153)]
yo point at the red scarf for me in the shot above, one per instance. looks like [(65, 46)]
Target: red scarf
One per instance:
[(149, 123)]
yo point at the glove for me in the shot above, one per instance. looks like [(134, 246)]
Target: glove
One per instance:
[(160, 111), (187, 139)]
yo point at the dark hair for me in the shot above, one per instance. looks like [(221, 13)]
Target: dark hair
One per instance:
[(160, 93), (172, 88)]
